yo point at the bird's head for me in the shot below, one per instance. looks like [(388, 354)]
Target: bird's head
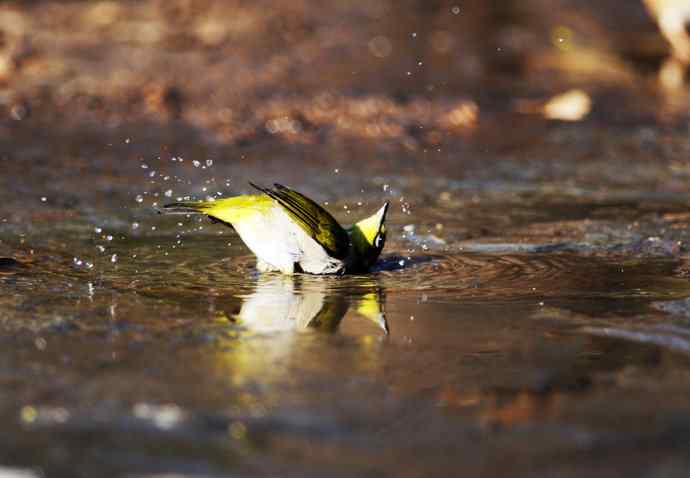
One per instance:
[(368, 237)]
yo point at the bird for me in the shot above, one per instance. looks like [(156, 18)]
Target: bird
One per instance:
[(290, 233)]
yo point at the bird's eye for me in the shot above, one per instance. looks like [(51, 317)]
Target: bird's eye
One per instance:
[(377, 240)]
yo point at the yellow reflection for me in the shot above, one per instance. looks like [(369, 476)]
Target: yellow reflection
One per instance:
[(370, 306)]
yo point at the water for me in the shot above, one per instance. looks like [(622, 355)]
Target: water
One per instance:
[(528, 322), (530, 315)]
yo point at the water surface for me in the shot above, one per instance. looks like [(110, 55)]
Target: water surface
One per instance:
[(511, 327)]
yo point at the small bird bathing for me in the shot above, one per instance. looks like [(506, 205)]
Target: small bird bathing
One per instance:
[(290, 233)]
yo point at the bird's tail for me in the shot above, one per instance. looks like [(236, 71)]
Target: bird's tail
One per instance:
[(186, 207), (227, 210)]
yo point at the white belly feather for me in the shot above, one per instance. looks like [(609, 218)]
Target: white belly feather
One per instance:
[(280, 243)]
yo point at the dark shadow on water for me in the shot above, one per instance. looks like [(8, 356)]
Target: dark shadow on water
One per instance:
[(8, 264)]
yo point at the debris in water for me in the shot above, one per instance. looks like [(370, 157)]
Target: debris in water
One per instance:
[(9, 263), (572, 105)]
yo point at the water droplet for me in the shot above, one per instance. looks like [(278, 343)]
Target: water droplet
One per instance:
[(44, 199), (386, 187), (168, 193), (139, 198), (209, 162), (113, 258), (108, 237), (98, 230), (455, 10), (100, 248), (135, 225), (196, 163), (144, 166)]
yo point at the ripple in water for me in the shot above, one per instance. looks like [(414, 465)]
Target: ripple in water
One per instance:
[(562, 275)]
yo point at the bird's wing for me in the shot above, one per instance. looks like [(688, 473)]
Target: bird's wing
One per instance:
[(312, 218)]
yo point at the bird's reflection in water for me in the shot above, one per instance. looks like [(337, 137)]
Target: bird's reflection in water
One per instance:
[(283, 336), (286, 303)]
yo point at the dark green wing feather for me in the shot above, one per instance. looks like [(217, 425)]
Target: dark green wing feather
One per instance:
[(311, 217)]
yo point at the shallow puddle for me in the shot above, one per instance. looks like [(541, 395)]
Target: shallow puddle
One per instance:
[(482, 341), (530, 315)]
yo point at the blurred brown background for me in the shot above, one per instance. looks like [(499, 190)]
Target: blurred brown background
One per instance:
[(409, 74)]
